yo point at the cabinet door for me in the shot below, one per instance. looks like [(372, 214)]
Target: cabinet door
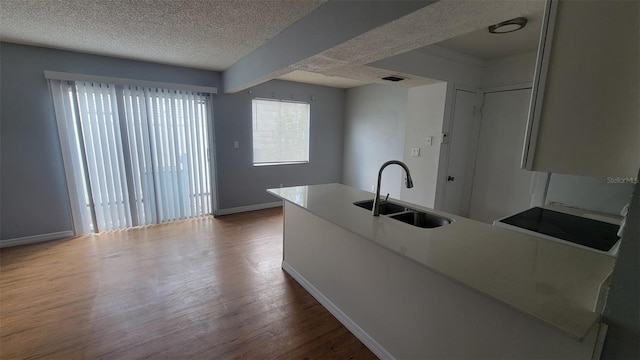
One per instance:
[(585, 117)]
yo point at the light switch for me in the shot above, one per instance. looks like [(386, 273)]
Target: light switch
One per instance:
[(429, 140), (236, 144), (415, 152)]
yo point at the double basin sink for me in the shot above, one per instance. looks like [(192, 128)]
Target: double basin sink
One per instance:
[(406, 215)]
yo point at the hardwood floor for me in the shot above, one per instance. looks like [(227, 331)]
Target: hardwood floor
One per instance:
[(206, 288)]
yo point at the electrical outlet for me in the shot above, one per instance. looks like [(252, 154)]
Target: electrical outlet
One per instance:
[(415, 152), (236, 144), (280, 185)]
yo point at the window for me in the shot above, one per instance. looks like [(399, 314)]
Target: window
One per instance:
[(143, 152), (280, 132)]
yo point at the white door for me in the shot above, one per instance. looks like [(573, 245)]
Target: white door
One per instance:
[(463, 140), (500, 186)]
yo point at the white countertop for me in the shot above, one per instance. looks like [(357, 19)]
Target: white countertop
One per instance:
[(553, 282)]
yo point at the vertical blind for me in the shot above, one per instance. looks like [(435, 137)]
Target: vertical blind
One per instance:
[(145, 153)]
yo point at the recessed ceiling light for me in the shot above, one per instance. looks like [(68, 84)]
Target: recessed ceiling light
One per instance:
[(508, 26)]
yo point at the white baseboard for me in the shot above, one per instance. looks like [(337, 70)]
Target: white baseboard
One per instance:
[(248, 208), (356, 330), (36, 238)]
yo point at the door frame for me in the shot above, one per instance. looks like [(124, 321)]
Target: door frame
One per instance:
[(447, 126), (540, 181)]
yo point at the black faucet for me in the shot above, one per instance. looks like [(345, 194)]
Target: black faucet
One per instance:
[(408, 183)]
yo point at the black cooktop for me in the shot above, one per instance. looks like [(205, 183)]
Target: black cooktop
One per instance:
[(587, 232)]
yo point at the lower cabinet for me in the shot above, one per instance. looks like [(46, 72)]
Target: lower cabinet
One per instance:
[(400, 309)]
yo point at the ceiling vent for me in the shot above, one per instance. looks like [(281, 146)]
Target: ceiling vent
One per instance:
[(392, 78)]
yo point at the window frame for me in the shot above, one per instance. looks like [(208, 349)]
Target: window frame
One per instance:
[(280, 163)]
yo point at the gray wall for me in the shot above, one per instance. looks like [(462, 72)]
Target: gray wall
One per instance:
[(589, 193), (425, 115), (241, 183), (33, 194), (622, 313), (374, 133), (32, 183)]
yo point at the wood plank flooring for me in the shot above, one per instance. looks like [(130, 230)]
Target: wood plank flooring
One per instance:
[(204, 289)]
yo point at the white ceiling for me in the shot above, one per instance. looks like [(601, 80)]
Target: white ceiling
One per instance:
[(202, 34), (320, 79), (486, 46), (214, 34), (446, 19)]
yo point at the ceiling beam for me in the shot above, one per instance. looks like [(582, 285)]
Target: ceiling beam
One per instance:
[(330, 25)]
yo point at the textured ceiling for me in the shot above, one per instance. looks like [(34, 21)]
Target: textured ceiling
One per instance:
[(446, 19), (214, 34), (431, 24), (206, 34), (320, 79)]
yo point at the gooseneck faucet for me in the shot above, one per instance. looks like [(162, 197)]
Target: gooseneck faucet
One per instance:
[(408, 183)]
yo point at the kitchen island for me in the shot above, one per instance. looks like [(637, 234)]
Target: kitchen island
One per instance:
[(461, 290)]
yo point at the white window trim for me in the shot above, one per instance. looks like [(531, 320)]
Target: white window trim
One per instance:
[(282, 100), (56, 75), (279, 163)]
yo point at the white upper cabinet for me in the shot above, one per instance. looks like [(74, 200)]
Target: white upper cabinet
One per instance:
[(584, 117)]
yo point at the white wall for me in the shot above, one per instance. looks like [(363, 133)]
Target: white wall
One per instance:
[(583, 192), (436, 63), (425, 115), (589, 193), (374, 131), (370, 113), (375, 121), (511, 70)]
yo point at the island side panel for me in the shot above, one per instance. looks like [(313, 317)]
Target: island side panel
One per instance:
[(409, 310)]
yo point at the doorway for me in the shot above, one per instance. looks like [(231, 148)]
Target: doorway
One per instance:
[(500, 187), (462, 140), (484, 180)]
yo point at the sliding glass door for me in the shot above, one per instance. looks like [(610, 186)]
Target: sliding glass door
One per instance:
[(143, 153)]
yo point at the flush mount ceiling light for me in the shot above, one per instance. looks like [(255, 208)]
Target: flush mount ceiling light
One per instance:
[(508, 26)]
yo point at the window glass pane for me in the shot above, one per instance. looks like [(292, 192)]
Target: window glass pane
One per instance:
[(280, 131)]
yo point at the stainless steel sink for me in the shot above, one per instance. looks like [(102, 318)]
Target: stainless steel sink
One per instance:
[(406, 215), (421, 219), (386, 207)]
